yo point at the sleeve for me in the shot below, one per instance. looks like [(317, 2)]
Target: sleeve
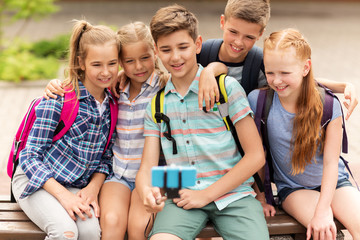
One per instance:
[(252, 97), (150, 127), (238, 103), (39, 140), (337, 111)]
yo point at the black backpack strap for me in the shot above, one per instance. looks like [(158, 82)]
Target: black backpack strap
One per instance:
[(252, 66), (157, 111), (263, 105), (209, 51), (230, 126)]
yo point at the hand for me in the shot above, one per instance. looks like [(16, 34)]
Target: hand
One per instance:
[(153, 200), (119, 84), (351, 99), (268, 209), (90, 196), (53, 88), (191, 199), (208, 89), (322, 226), (75, 205)]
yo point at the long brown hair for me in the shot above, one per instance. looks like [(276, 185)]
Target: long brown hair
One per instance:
[(83, 35), (307, 134), (138, 31)]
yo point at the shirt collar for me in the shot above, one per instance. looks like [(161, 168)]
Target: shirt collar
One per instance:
[(84, 93), (151, 81), (194, 86)]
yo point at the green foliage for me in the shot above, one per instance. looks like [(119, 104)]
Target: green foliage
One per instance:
[(57, 47), (25, 9), (24, 61)]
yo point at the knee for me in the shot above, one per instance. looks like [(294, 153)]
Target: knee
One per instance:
[(112, 220)]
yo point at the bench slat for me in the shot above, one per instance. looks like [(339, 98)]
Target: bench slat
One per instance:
[(8, 206), (13, 216), (20, 231)]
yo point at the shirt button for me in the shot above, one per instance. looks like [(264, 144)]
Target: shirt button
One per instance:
[(184, 121), (187, 142), (182, 100), (198, 182), (87, 165), (92, 145), (192, 163)]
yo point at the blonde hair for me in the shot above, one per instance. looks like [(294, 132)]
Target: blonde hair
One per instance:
[(306, 127), (171, 19), (84, 35), (138, 31), (253, 11)]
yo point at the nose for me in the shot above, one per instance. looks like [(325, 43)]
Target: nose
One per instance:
[(239, 41), (175, 55), (138, 65), (105, 71), (276, 79)]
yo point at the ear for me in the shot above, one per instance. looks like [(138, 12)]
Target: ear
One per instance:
[(81, 63), (198, 43), (222, 21), (307, 67)]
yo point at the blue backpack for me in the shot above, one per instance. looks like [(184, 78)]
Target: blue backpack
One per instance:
[(264, 102), (252, 65)]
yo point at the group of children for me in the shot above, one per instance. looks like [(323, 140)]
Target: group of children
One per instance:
[(65, 186)]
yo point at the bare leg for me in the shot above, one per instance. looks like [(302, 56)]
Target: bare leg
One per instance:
[(346, 208), (138, 218), (114, 206)]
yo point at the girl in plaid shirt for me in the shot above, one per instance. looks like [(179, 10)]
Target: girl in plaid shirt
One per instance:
[(57, 183)]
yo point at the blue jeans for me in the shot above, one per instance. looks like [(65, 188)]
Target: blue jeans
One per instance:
[(50, 216)]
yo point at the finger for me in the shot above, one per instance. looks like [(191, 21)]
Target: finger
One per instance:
[(272, 211), (87, 211), (96, 208), (200, 100), (322, 235), (333, 231), (212, 99), (217, 94), (160, 200), (45, 95), (80, 214), (308, 232), (72, 215)]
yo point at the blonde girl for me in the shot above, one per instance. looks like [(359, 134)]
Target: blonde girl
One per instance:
[(121, 208), (57, 183), (312, 183)]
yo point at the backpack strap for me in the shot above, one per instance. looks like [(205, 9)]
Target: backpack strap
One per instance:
[(68, 114), (113, 117), (157, 113), (252, 66), (223, 107), (209, 51), (327, 96), (263, 106)]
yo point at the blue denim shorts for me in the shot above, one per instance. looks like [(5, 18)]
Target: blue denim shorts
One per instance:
[(123, 181), (285, 192)]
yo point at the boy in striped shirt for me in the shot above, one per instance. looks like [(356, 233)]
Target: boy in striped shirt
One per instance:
[(223, 192)]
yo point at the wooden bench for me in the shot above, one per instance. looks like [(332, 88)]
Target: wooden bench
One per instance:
[(15, 225)]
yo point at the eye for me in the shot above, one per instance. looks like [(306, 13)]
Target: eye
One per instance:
[(128, 61), (250, 37), (145, 57), (233, 31), (269, 73)]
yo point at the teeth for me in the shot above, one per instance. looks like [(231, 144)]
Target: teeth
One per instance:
[(280, 88)]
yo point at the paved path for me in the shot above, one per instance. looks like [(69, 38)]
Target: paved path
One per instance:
[(332, 29)]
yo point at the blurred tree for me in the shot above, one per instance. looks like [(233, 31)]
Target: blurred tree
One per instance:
[(24, 10)]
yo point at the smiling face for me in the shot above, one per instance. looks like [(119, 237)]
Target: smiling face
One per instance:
[(239, 37), (177, 52), (101, 66), (138, 61), (285, 71)]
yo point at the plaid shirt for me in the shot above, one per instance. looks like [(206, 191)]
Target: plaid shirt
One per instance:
[(77, 155)]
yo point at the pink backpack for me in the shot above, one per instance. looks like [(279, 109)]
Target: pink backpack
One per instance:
[(67, 118)]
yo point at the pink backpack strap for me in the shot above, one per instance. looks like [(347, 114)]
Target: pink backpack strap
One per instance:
[(113, 116), (22, 135), (68, 114)]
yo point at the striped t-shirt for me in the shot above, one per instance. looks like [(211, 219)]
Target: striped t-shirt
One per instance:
[(202, 139), (130, 128)]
